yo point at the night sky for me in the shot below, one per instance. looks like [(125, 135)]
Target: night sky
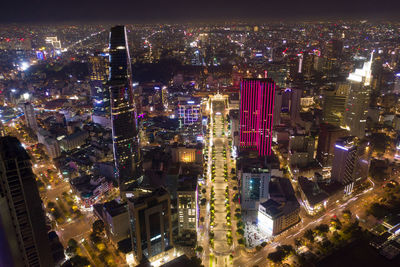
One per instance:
[(42, 11)]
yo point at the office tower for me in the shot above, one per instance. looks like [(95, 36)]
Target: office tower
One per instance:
[(23, 236), (254, 187), (123, 113), (293, 66), (334, 48), (256, 114), (355, 118), (255, 175), (308, 65), (52, 147), (334, 104), (295, 96), (274, 217), (30, 117), (98, 71), (187, 204), (281, 210), (115, 216), (301, 150), (151, 227), (332, 54), (328, 135), (350, 163), (164, 97), (189, 111)]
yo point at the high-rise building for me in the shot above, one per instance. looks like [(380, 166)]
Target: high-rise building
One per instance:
[(281, 210), (355, 118), (256, 114), (187, 204), (350, 163), (115, 216), (332, 54), (123, 112), (30, 117), (151, 226), (189, 111), (334, 104), (328, 135), (98, 71), (295, 97), (301, 150), (23, 236), (333, 49), (52, 147), (254, 177), (274, 217)]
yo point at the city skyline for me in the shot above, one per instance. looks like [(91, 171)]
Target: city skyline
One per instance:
[(191, 11), (201, 144)]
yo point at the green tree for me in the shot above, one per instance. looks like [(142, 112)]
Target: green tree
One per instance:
[(276, 256), (72, 243), (240, 231), (94, 238), (297, 242), (378, 210), (72, 247), (309, 235), (196, 261), (336, 238), (199, 249), (347, 215), (288, 249), (98, 227), (322, 229)]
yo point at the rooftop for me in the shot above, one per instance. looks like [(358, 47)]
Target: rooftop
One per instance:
[(114, 208), (181, 261), (187, 183), (312, 191), (159, 192)]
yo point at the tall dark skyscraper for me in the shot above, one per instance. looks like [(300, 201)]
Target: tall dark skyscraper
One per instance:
[(350, 163), (123, 111), (151, 226), (256, 114), (23, 236)]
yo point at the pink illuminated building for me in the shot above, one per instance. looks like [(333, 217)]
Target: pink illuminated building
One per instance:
[(256, 115)]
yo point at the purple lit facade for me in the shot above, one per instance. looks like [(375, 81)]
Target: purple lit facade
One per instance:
[(256, 115)]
